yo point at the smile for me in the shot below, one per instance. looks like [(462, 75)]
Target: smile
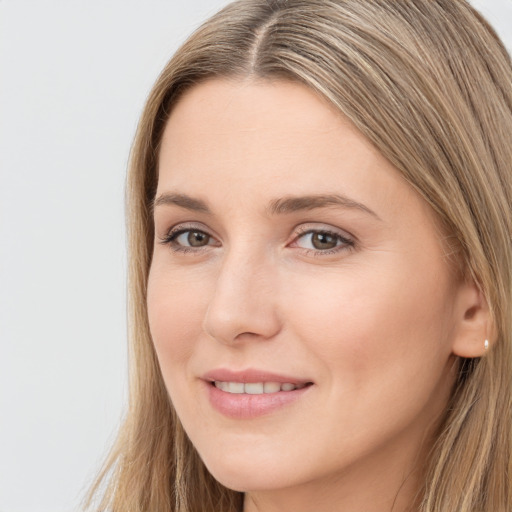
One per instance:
[(256, 388)]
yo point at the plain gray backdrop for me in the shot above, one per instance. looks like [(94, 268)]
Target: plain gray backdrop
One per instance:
[(73, 79)]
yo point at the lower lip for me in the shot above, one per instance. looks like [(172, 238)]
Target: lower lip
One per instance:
[(246, 406)]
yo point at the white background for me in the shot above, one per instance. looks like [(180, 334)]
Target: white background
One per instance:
[(73, 79)]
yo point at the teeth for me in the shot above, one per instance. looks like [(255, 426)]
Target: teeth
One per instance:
[(235, 387), (221, 385), (256, 388), (253, 388), (271, 387)]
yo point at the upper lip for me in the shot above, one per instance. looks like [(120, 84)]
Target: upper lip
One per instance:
[(251, 375)]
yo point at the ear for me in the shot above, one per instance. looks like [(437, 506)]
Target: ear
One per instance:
[(473, 321)]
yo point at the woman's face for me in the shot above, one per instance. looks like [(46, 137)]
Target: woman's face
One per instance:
[(294, 266)]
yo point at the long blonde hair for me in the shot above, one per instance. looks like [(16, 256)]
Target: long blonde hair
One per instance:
[(430, 84)]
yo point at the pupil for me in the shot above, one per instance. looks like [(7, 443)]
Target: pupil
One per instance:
[(324, 241), (197, 239)]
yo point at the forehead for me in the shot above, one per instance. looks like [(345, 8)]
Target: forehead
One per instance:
[(251, 131), (251, 103)]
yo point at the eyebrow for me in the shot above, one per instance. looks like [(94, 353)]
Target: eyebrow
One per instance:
[(279, 206), (294, 204), (181, 200)]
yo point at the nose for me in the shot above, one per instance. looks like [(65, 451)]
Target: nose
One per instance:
[(243, 302)]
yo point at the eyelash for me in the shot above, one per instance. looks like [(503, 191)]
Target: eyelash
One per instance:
[(170, 239), (345, 243)]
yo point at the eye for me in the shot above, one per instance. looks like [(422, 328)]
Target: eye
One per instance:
[(188, 239), (322, 241), (192, 238)]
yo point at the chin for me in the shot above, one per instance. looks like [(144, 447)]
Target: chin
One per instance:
[(248, 475), (243, 482)]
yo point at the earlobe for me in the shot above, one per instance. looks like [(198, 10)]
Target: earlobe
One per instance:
[(473, 319)]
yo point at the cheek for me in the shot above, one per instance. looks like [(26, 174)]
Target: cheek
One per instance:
[(368, 323), (175, 312)]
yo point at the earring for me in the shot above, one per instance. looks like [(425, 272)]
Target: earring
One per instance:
[(486, 345)]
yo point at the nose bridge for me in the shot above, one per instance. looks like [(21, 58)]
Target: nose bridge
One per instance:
[(243, 300)]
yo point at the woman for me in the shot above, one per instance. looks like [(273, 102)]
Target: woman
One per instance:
[(321, 265)]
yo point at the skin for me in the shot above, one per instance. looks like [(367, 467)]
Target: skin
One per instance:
[(374, 322)]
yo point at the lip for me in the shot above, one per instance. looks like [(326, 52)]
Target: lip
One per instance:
[(251, 375), (245, 406)]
